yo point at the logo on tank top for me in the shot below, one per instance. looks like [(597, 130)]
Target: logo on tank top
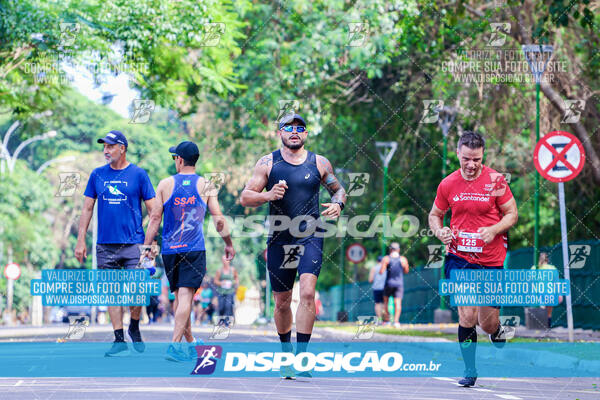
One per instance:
[(186, 224), (307, 176), (183, 201)]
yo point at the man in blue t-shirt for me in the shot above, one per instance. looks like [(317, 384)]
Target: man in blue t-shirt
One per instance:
[(119, 187)]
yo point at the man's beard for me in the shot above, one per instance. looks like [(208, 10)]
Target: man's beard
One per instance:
[(293, 146), (472, 174)]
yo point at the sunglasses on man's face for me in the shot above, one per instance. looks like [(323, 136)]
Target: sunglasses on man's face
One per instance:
[(174, 156), (290, 128)]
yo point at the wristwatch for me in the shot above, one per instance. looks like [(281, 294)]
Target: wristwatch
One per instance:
[(341, 205)]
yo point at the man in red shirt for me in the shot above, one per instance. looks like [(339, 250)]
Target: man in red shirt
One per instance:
[(483, 210)]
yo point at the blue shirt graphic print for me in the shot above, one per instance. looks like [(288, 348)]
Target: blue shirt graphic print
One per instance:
[(119, 194)]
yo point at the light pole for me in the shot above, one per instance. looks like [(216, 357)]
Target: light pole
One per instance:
[(11, 160), (447, 115), (386, 151), (536, 57), (53, 161), (5, 154)]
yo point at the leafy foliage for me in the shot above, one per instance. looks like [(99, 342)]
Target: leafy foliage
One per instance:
[(359, 70)]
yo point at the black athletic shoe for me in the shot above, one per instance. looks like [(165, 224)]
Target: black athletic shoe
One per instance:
[(136, 338), (118, 349), (467, 381), (470, 376), (498, 339)]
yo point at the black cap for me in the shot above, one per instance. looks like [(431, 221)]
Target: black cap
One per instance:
[(114, 137), (186, 150), (289, 118)]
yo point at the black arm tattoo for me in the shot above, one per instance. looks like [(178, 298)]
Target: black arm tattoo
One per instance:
[(333, 186), (266, 160)]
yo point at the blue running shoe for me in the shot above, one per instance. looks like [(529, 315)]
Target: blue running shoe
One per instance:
[(118, 349), (176, 355), (192, 348)]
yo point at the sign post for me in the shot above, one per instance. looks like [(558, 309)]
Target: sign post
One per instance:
[(12, 272), (267, 290), (355, 253), (446, 119), (559, 157)]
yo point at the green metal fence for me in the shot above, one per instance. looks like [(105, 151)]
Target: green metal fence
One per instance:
[(421, 299), (585, 281)]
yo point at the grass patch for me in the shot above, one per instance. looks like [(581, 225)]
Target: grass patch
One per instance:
[(386, 330), (582, 353)]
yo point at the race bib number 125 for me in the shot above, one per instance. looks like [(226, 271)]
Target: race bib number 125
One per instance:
[(470, 242)]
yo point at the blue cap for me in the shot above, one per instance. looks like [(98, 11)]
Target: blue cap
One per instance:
[(114, 137), (289, 118), (186, 150)]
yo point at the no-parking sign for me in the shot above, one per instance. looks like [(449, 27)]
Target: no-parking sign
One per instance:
[(559, 156), (356, 253), (12, 271)]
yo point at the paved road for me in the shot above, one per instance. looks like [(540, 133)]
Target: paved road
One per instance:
[(273, 388)]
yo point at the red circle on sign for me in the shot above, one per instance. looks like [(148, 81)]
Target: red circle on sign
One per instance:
[(12, 269), (355, 245), (558, 156)]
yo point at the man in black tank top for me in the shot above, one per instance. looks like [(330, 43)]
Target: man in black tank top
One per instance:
[(292, 177), (396, 266)]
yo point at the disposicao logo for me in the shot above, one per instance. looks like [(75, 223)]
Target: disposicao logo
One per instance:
[(320, 362), (207, 359)]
